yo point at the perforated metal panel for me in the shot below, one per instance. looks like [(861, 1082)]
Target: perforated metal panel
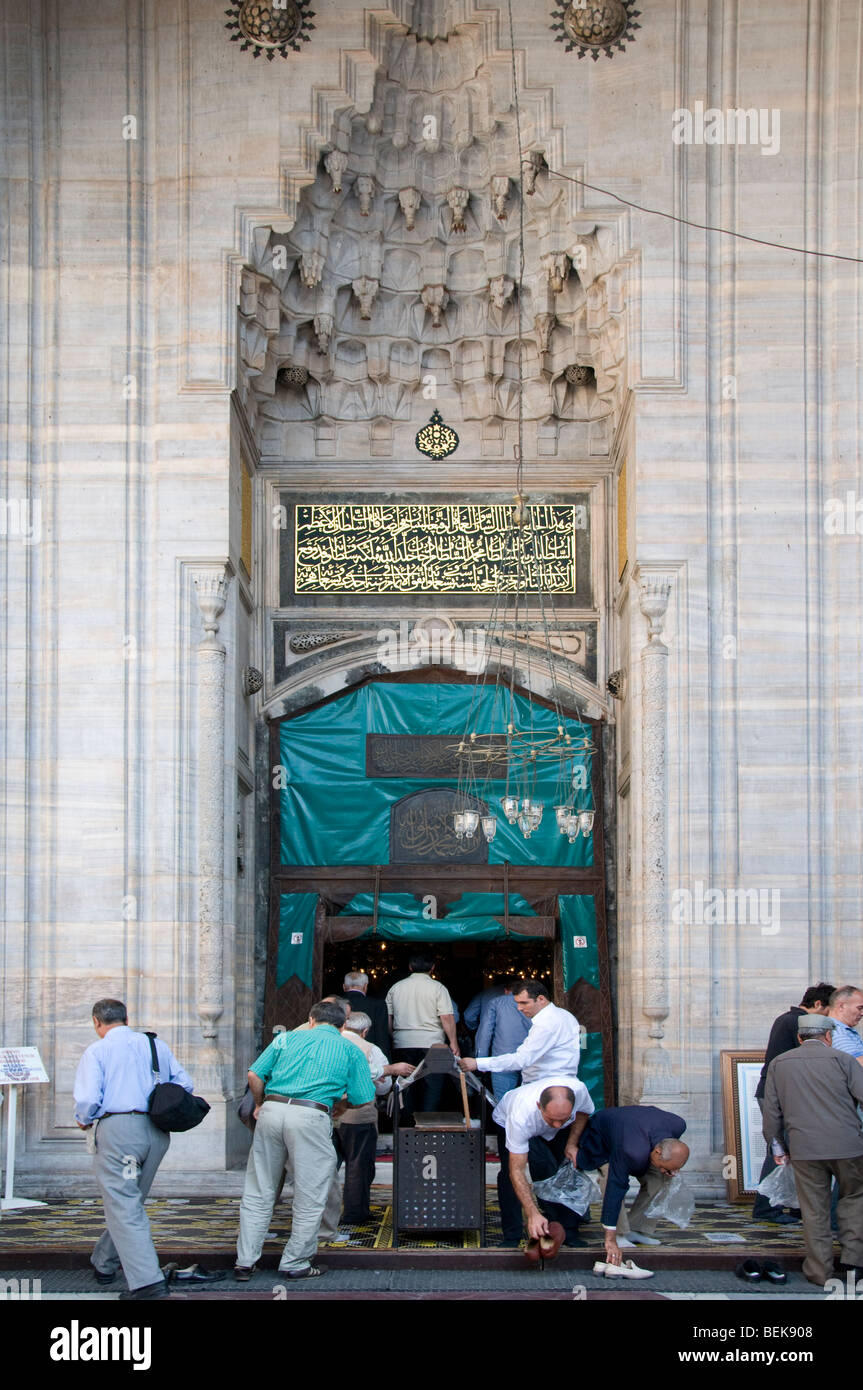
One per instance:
[(441, 1180)]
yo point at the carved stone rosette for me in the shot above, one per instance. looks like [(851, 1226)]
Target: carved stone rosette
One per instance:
[(653, 596), (211, 587)]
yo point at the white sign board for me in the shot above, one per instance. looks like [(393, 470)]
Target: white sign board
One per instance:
[(19, 1065)]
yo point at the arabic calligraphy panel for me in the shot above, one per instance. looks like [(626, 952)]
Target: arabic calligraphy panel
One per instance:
[(421, 829), (431, 548), (426, 755)]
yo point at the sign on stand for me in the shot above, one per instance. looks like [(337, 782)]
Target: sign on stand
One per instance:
[(19, 1066)]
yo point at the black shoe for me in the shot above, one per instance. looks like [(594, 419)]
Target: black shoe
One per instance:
[(196, 1275), (102, 1278), (158, 1290), (749, 1271), (243, 1273), (773, 1272), (311, 1273), (782, 1218)]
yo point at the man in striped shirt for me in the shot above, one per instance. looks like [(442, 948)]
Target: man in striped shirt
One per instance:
[(295, 1083)]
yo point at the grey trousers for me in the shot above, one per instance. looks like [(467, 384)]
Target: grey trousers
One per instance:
[(303, 1136), (813, 1177), (129, 1149)]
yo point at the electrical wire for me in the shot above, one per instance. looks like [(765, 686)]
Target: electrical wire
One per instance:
[(704, 226)]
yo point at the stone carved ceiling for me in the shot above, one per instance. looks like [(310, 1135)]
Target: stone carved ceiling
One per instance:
[(396, 290)]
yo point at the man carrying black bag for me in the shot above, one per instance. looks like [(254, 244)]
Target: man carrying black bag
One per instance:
[(113, 1085)]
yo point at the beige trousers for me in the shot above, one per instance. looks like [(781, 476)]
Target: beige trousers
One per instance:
[(304, 1137)]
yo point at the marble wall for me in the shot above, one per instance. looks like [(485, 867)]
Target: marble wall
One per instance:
[(151, 163)]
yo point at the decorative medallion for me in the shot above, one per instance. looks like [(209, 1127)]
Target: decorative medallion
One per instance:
[(591, 26), (436, 440), (270, 29)]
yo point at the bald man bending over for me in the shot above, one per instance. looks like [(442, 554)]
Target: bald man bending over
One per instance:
[(538, 1126), (640, 1141)]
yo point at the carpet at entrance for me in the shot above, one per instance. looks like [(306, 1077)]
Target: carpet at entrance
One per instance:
[(65, 1231)]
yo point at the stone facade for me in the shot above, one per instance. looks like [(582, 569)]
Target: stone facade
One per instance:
[(233, 281)]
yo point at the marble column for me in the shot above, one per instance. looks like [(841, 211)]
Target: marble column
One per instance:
[(211, 587), (653, 593)]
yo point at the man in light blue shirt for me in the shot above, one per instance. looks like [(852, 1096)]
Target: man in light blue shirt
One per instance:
[(846, 1008), (112, 1093), (503, 1028)]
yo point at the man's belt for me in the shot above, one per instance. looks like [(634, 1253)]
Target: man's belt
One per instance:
[(109, 1113), (293, 1100)]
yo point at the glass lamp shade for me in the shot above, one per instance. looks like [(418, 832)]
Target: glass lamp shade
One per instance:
[(510, 808), (458, 822), (525, 825), (562, 816), (535, 814), (489, 827), (585, 821), (471, 821)]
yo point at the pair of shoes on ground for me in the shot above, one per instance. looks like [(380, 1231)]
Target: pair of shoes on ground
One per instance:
[(758, 1271), (627, 1269), (542, 1248)]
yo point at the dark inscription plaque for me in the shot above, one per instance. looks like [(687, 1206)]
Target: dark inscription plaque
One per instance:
[(431, 755), (421, 829)]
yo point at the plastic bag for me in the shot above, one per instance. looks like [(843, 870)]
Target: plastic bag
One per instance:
[(779, 1187), (675, 1203), (571, 1187)]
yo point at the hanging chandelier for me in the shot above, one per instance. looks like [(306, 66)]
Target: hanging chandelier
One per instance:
[(503, 736), (504, 740)]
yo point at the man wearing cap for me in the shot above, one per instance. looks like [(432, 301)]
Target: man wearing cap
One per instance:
[(812, 1094), (783, 1038)]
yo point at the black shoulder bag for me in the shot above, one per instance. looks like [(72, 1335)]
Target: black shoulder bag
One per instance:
[(171, 1108)]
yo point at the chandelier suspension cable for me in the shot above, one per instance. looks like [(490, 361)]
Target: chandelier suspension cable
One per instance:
[(526, 748)]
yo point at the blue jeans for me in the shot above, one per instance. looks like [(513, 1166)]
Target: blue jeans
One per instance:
[(503, 1081)]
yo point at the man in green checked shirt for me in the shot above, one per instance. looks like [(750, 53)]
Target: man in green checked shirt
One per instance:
[(295, 1083)]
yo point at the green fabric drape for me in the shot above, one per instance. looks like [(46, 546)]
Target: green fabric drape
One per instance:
[(332, 813), (296, 937)]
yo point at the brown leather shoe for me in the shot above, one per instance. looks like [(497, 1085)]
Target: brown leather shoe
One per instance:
[(533, 1251), (549, 1245)]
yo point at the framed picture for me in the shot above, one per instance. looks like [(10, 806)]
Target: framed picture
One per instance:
[(744, 1146)]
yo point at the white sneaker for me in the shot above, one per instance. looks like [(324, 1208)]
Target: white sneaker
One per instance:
[(636, 1238), (627, 1270)]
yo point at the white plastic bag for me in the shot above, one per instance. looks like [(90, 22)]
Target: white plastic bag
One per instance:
[(571, 1187), (779, 1187), (675, 1203)]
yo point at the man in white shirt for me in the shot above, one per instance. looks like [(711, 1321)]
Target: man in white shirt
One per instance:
[(538, 1128), (421, 1014), (552, 1047)]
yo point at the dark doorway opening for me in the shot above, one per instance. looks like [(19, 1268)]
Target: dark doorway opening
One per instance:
[(465, 967)]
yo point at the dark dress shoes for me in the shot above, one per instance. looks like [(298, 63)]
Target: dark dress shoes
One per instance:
[(749, 1271), (147, 1291)]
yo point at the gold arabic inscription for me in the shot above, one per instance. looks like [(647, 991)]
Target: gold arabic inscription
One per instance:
[(422, 548)]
